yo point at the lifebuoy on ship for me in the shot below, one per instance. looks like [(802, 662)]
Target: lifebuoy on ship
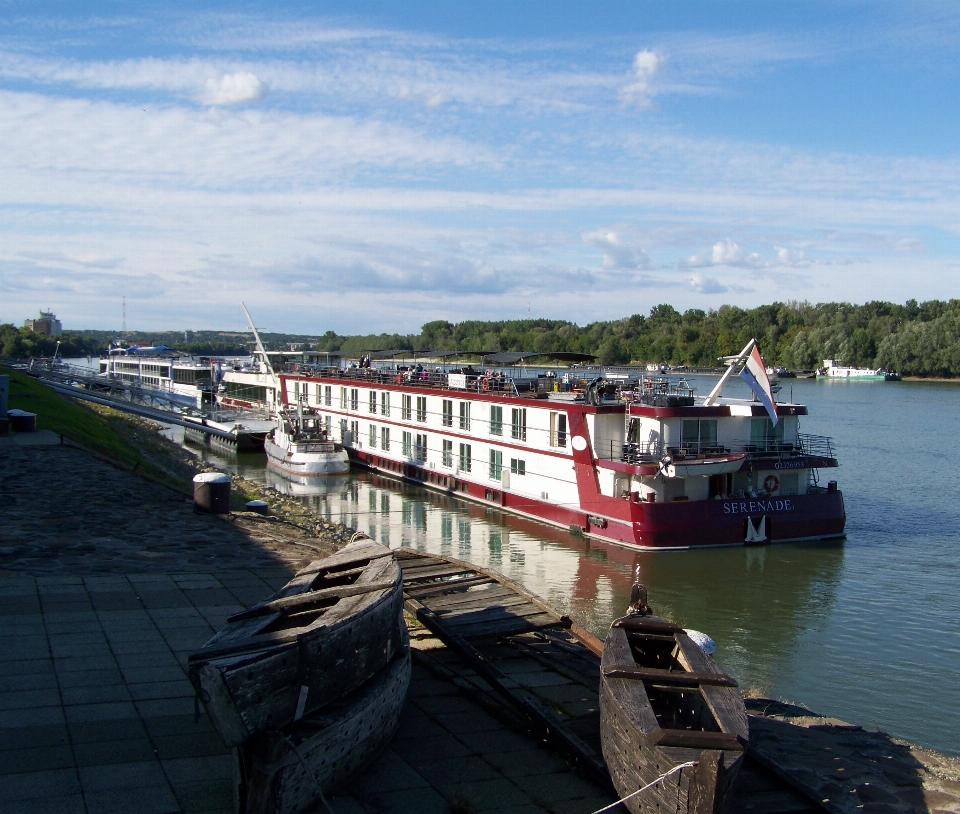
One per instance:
[(485, 384), (772, 483), (399, 378)]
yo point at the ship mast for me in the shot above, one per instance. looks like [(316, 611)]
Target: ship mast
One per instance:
[(261, 351), (734, 363)]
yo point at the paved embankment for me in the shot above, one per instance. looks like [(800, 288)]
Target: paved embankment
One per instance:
[(108, 582)]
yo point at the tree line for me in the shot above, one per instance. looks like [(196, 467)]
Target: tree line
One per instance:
[(915, 339)]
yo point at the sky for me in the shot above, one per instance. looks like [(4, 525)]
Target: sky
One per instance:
[(369, 167)]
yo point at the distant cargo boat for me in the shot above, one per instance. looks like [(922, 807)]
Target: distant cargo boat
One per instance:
[(639, 461), (832, 370)]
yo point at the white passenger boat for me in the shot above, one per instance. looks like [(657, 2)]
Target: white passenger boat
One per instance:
[(300, 445), (832, 370), (162, 372)]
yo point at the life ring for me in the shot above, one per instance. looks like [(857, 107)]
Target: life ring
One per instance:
[(485, 384), (399, 378), (772, 483)]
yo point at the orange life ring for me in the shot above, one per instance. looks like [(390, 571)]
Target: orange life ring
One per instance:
[(772, 483), (485, 384), (399, 378)]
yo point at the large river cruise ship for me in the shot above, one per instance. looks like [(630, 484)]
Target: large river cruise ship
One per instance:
[(639, 461)]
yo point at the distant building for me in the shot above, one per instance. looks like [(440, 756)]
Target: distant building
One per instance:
[(295, 346), (47, 323)]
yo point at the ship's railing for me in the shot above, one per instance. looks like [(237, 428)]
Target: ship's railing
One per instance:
[(475, 381), (805, 446)]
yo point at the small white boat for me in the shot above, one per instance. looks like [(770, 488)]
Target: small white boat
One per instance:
[(300, 445)]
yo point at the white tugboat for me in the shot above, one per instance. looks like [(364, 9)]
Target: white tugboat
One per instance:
[(300, 445)]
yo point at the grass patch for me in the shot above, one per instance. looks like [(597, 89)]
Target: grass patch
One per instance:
[(70, 418)]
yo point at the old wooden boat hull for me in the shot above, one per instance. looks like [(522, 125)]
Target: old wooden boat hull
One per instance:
[(332, 627), (664, 703), (285, 773)]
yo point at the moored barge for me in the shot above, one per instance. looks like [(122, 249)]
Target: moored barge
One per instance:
[(642, 462)]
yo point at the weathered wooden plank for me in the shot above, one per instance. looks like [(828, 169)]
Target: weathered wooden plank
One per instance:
[(504, 602), (475, 616), (693, 739), (437, 571), (507, 626), (435, 589), (291, 603), (667, 676), (491, 595), (647, 624)]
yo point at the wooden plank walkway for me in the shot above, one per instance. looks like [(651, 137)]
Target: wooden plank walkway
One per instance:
[(544, 666)]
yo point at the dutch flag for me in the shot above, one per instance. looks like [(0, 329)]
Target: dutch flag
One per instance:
[(754, 374)]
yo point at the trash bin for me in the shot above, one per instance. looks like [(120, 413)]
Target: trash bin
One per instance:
[(211, 493), (22, 421)]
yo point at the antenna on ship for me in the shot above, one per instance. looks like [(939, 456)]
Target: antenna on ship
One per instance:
[(261, 351)]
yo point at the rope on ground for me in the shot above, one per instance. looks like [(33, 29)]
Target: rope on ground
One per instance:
[(310, 775), (660, 779)]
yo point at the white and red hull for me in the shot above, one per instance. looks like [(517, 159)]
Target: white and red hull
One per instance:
[(580, 476)]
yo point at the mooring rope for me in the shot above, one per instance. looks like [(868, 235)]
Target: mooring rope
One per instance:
[(310, 775), (660, 779)]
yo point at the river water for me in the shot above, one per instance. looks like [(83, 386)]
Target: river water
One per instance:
[(867, 629)]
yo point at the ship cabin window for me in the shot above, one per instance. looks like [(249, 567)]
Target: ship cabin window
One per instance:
[(343, 398), (327, 395), (373, 401), (764, 437), (319, 394), (447, 457), (343, 430), (373, 436), (466, 458), (518, 466), (447, 413), (698, 436), (464, 415), (407, 444), (518, 423), (296, 391), (496, 420), (406, 407), (385, 404), (354, 431), (354, 398), (420, 447), (496, 464), (385, 439), (421, 408), (558, 429)]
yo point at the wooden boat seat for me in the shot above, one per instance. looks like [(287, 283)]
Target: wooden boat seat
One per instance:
[(669, 676), (692, 739), (646, 624)]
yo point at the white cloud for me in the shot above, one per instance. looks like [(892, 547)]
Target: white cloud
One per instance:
[(726, 253), (232, 89), (616, 253), (640, 89), (707, 285)]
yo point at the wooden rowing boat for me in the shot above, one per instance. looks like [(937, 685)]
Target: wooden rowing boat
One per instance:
[(664, 703), (332, 627), (289, 772)]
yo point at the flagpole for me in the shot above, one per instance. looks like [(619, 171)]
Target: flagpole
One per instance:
[(734, 361)]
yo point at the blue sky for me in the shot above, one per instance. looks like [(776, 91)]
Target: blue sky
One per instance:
[(370, 167)]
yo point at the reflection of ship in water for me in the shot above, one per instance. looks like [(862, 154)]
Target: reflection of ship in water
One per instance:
[(305, 485), (756, 602)]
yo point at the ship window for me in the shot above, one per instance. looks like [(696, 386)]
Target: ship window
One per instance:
[(496, 464), (518, 466), (319, 394), (354, 398), (327, 395), (373, 436), (406, 407), (698, 435), (447, 452), (343, 398), (407, 444), (447, 413), (763, 435), (385, 404), (464, 415), (496, 420), (420, 447), (518, 424), (354, 432), (466, 459), (558, 429), (373, 401), (385, 439), (421, 408)]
